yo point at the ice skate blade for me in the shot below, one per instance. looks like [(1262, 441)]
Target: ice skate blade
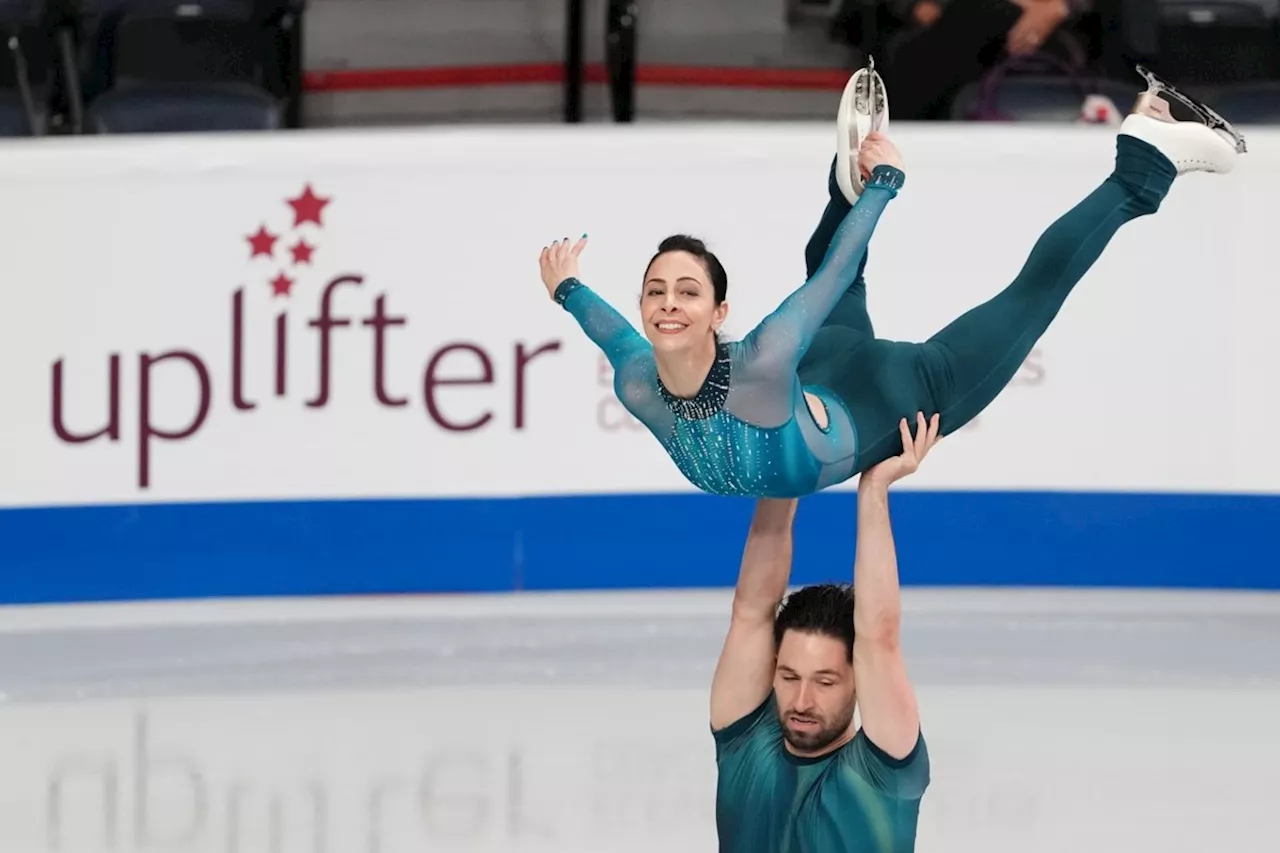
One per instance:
[(1157, 87)]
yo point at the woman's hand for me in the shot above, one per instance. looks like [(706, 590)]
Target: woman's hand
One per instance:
[(877, 150), (560, 261)]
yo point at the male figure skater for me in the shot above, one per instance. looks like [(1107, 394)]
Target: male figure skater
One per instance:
[(795, 773)]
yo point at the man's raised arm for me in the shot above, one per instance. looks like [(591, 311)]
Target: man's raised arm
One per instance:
[(744, 674), (886, 699)]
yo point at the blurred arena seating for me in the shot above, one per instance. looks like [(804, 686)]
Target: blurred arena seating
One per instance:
[(119, 66), (128, 66), (1227, 53)]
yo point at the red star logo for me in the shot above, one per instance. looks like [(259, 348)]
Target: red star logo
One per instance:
[(302, 252), (307, 207), (262, 243), (281, 285)]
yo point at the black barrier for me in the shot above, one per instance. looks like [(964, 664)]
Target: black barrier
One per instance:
[(573, 61), (620, 57)]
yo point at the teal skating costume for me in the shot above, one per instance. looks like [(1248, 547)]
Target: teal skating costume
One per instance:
[(856, 799), (748, 431)]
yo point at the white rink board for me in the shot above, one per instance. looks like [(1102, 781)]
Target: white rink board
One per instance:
[(1159, 375)]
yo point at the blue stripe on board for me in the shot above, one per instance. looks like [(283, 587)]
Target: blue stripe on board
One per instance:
[(614, 542)]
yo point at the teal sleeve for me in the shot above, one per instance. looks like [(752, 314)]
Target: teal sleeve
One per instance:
[(608, 329), (760, 726), (785, 335), (899, 778)]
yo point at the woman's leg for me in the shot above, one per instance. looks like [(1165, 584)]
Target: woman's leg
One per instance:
[(960, 370), (851, 310), (970, 362)]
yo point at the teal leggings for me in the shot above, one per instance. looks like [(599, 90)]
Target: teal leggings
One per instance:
[(960, 370)]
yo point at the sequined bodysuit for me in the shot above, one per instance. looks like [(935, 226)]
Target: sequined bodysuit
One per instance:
[(748, 430)]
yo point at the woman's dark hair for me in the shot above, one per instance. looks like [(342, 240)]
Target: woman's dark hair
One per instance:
[(697, 248)]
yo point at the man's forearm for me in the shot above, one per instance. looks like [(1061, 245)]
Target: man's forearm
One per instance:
[(877, 600), (773, 515), (766, 559)]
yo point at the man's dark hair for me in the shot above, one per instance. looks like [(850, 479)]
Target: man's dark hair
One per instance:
[(825, 608), (697, 248)]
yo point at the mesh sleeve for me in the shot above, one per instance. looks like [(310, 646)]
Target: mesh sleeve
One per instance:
[(784, 336)]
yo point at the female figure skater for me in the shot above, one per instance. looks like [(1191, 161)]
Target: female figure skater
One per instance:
[(811, 397)]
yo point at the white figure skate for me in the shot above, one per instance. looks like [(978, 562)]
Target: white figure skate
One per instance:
[(1209, 145), (864, 107)]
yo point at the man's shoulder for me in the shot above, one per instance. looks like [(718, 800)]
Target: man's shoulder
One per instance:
[(760, 725), (901, 778), (867, 747)]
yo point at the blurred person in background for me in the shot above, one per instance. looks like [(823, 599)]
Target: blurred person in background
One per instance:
[(796, 772), (948, 44)]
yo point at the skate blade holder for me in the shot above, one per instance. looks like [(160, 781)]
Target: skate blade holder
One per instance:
[(869, 96), (864, 92), (1156, 87)]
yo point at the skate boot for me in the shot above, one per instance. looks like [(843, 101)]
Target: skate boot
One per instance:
[(864, 107), (1207, 145)]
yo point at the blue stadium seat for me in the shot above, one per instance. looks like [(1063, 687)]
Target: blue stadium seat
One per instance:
[(24, 67), (178, 108), (1038, 98), (1216, 42), (14, 118), (1248, 103), (178, 66)]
